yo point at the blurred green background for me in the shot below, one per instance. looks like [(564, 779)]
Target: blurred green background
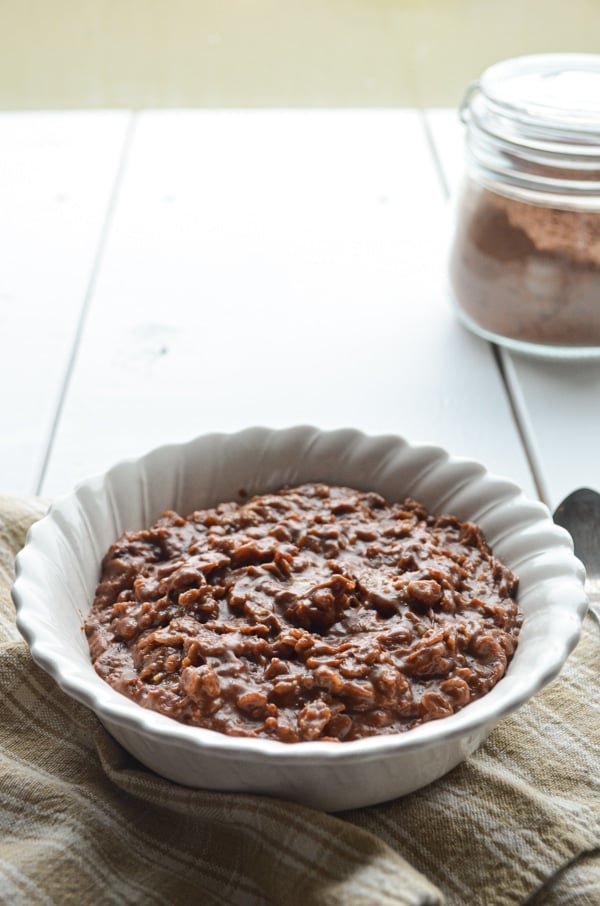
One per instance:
[(270, 53)]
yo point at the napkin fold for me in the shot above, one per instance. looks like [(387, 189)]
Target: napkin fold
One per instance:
[(83, 822)]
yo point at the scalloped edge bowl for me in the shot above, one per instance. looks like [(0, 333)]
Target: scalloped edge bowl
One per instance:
[(58, 569)]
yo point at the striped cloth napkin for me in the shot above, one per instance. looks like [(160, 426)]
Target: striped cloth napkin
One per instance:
[(81, 822)]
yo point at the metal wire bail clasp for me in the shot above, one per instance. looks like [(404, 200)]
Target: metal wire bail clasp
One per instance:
[(465, 105)]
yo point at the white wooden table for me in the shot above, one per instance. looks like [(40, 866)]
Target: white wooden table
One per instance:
[(166, 274)]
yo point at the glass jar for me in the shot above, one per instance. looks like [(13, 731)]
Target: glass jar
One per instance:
[(525, 258)]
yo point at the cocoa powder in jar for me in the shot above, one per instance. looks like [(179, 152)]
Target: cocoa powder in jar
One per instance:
[(526, 271)]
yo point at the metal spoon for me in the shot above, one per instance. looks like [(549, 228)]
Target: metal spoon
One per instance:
[(579, 513)]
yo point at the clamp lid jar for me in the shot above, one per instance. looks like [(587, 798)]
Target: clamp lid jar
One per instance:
[(525, 258)]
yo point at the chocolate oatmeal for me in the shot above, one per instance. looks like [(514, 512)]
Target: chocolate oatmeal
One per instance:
[(314, 613)]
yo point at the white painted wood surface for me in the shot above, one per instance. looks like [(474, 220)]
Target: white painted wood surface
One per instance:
[(57, 173), (243, 267), (276, 268)]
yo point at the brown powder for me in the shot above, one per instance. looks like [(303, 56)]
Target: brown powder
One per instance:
[(528, 272)]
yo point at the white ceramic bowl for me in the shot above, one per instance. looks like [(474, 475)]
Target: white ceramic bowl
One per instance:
[(58, 569)]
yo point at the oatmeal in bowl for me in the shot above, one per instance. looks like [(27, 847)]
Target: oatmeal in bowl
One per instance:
[(314, 613), (317, 615)]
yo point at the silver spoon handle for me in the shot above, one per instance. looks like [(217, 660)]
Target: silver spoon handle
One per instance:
[(592, 587)]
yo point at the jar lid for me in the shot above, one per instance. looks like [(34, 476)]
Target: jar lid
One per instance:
[(533, 123), (558, 92)]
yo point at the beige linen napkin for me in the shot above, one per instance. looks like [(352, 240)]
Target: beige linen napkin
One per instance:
[(82, 822)]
